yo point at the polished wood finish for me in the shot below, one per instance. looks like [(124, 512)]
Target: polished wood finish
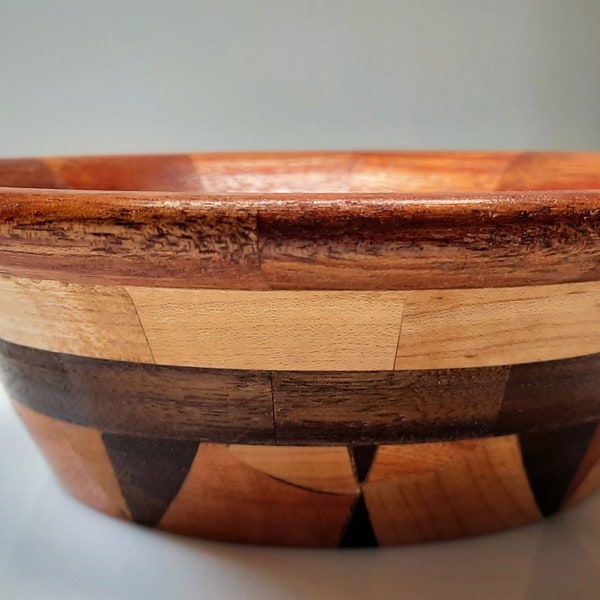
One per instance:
[(302, 407), (313, 232), (344, 330), (330, 349)]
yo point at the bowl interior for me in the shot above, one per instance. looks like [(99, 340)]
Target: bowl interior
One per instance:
[(317, 172)]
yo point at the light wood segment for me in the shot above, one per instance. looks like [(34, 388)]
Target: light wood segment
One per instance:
[(96, 321), (426, 492), (499, 326), (225, 498), (271, 330), (325, 469), (431, 171), (79, 460)]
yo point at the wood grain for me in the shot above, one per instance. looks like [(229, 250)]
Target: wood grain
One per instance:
[(79, 460), (587, 478), (498, 326), (139, 399), (96, 321), (408, 405), (331, 221), (320, 469), (227, 499), (427, 492), (271, 330), (307, 407)]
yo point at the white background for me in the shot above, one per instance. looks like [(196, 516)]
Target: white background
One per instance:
[(148, 76)]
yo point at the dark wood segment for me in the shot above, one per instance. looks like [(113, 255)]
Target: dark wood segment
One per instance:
[(319, 229), (311, 407), (356, 407), (551, 459), (550, 393), (142, 399), (362, 456), (359, 531), (150, 472)]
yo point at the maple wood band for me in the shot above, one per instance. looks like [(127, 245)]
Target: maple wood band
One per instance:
[(317, 408), (383, 221)]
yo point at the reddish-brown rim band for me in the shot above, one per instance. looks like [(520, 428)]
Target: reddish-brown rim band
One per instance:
[(316, 408), (301, 241)]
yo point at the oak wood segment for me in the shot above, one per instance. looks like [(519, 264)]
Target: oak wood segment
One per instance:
[(438, 241), (323, 469), (227, 499), (552, 458), (97, 321), (407, 405), (550, 394), (142, 399), (277, 172), (150, 471), (430, 171), (498, 326), (271, 330), (437, 491), (169, 173), (151, 238), (587, 478), (79, 460), (552, 171)]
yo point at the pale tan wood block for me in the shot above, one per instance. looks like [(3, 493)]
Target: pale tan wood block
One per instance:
[(96, 321), (280, 330), (587, 478), (435, 491), (431, 171), (325, 469), (79, 460), (499, 326), (225, 498)]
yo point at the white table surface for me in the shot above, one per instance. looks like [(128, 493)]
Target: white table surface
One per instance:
[(53, 547)]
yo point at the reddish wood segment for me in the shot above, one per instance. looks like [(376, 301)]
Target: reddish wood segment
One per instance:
[(395, 237)]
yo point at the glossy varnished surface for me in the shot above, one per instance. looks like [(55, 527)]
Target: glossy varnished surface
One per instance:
[(304, 221), (330, 349)]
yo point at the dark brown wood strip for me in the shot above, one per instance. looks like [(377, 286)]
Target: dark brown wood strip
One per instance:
[(551, 459), (550, 393), (402, 405), (319, 408), (141, 399)]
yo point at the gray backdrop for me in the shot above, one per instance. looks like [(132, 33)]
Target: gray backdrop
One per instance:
[(115, 76)]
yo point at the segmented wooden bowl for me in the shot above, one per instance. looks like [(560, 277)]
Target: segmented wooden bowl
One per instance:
[(308, 349)]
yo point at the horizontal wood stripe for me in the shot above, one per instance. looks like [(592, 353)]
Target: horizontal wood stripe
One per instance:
[(320, 408), (333, 221), (304, 330), (322, 496)]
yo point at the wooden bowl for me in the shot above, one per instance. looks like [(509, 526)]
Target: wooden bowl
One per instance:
[(308, 349)]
